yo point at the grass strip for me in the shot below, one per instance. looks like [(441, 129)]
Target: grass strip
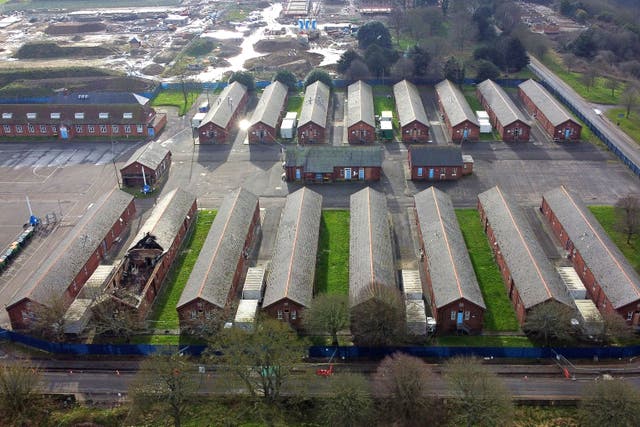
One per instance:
[(175, 98), (332, 268)]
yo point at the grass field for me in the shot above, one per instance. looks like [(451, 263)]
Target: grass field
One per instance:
[(606, 216), (294, 103), (630, 125), (332, 269), (484, 341), (499, 315), (164, 312), (470, 95), (175, 98)]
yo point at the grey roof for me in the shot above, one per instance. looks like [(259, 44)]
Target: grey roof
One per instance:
[(360, 104), (227, 103), (166, 218), (149, 155), (543, 100), (322, 159), (503, 107), (293, 266), (452, 275), (212, 276), (454, 104), (531, 271), (370, 246), (315, 104), (435, 155), (270, 105), (409, 103), (59, 270), (617, 278)]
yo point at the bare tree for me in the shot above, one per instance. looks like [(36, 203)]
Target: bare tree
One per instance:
[(403, 68), (357, 70), (350, 403), (481, 398), (112, 319), (397, 20), (612, 84), (588, 78), (628, 216), (328, 314), (402, 383), (608, 400), (48, 321), (630, 98), (165, 382), (18, 393), (549, 321), (378, 319), (615, 328)]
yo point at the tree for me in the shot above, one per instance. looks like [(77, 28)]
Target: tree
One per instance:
[(378, 319), (588, 78), (244, 77), (165, 382), (350, 403), (374, 32), (454, 70), (421, 60), (486, 70), (346, 59), (615, 328), (263, 359), (397, 19), (608, 400), (111, 319), (515, 55), (18, 392), (287, 78), (358, 70), (379, 59), (630, 98), (481, 398), (549, 321), (402, 382), (403, 68), (328, 314), (48, 321), (584, 45), (318, 75), (628, 216)]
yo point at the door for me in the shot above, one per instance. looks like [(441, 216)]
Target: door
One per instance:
[(460, 318), (261, 134), (431, 173), (465, 133), (347, 173), (361, 174), (297, 174), (567, 133)]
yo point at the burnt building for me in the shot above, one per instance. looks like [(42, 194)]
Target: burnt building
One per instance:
[(150, 163)]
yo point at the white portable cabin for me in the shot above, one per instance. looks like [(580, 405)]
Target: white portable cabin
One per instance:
[(482, 115), (411, 285), (589, 317), (291, 115), (386, 116), (98, 281), (77, 316), (416, 318), (485, 126), (246, 314), (197, 120), (573, 282), (253, 287)]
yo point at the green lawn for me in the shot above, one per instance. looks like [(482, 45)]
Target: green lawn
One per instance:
[(630, 125), (470, 95), (484, 341), (332, 269), (164, 314), (606, 216), (499, 315), (175, 98), (383, 103), (294, 103)]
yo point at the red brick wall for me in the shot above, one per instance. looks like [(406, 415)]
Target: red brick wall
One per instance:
[(361, 133), (269, 133), (370, 173), (456, 133), (290, 312), (415, 132), (211, 133), (83, 130), (311, 133), (556, 132), (508, 132), (132, 174), (440, 173)]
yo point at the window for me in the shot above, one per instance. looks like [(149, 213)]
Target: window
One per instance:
[(19, 128), (43, 129), (115, 129), (208, 315), (79, 116), (31, 128), (31, 116), (7, 128), (467, 315), (453, 315), (294, 314), (7, 115), (454, 171), (630, 315), (78, 128), (91, 129), (127, 128), (103, 128), (54, 128), (103, 115), (279, 314), (420, 172), (127, 115), (193, 314), (55, 115), (140, 128)]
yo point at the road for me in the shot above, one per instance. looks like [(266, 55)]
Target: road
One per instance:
[(624, 143)]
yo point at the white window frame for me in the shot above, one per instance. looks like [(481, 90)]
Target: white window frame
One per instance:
[(19, 129), (6, 128), (78, 116), (79, 128), (31, 128), (43, 128), (280, 315), (103, 128), (140, 128), (55, 116), (103, 115), (127, 128), (115, 129), (453, 314), (127, 115), (7, 115), (32, 116), (91, 129)]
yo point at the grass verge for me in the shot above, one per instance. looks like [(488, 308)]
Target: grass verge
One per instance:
[(484, 341), (175, 98), (164, 314), (332, 269), (631, 124), (606, 216), (294, 103), (499, 315)]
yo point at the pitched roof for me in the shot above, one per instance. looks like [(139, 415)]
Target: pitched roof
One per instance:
[(360, 104), (212, 276), (617, 278), (370, 246), (452, 275), (98, 98), (543, 100), (322, 159), (59, 270), (454, 103), (166, 218), (315, 104), (227, 103), (503, 107), (149, 155), (94, 114), (270, 105), (532, 273), (409, 103), (293, 266), (435, 155)]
